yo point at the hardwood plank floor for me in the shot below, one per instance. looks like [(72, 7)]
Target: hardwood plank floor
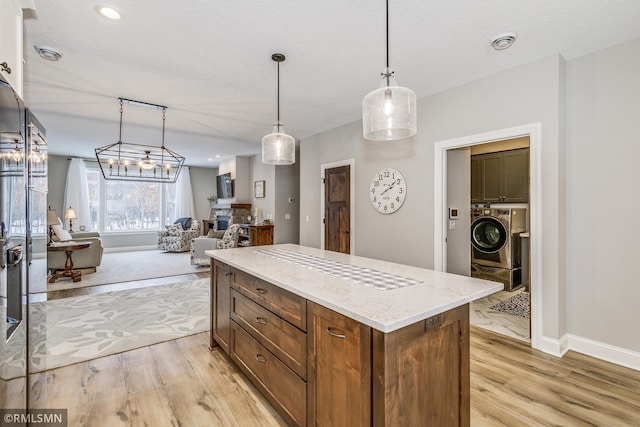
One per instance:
[(181, 382)]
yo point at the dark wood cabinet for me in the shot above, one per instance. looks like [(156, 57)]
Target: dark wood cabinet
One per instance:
[(260, 235), (318, 367), (339, 384), (221, 278), (500, 177)]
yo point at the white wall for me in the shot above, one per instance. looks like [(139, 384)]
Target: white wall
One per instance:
[(287, 205), (266, 173), (603, 149), (281, 183), (459, 196)]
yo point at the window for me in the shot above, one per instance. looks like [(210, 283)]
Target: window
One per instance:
[(128, 206)]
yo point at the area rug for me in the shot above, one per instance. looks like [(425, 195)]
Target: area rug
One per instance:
[(118, 267), (517, 305), (81, 328)]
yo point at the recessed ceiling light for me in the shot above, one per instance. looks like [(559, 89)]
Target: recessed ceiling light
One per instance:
[(217, 156), (503, 41), (210, 160), (108, 12), (48, 53)]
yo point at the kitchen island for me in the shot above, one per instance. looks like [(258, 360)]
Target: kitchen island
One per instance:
[(335, 339)]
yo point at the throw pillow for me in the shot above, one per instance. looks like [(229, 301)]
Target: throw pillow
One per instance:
[(214, 234), (185, 222), (61, 233)]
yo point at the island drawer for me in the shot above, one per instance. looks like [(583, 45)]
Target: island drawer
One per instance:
[(281, 385), (284, 340), (291, 307)]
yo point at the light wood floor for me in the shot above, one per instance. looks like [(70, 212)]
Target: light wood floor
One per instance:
[(182, 383)]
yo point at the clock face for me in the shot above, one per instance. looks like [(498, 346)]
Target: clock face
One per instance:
[(388, 190)]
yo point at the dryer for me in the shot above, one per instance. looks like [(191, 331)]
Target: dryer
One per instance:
[(495, 244)]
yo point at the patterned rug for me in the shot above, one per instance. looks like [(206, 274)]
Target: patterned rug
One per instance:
[(77, 329), (517, 305)]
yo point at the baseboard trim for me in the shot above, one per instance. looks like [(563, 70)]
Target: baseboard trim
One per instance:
[(610, 353), (554, 346), (130, 248)]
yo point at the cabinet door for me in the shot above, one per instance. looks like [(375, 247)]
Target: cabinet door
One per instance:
[(221, 305), (476, 180), (491, 171), (339, 387), (515, 176), (11, 44)]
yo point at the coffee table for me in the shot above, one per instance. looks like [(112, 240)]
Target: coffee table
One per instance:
[(68, 271)]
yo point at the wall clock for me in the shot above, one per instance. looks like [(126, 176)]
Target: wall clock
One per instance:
[(387, 191)]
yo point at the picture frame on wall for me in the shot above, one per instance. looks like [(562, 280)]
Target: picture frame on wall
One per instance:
[(258, 189)]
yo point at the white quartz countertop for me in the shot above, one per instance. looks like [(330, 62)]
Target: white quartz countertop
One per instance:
[(384, 310)]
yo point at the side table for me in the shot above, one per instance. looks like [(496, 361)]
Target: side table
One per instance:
[(68, 271)]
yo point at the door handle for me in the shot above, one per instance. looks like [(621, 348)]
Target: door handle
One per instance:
[(5, 67)]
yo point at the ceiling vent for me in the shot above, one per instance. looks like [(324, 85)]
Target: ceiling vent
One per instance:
[(48, 53), (503, 41)]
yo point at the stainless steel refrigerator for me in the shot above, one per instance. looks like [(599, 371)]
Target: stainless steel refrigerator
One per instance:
[(23, 171)]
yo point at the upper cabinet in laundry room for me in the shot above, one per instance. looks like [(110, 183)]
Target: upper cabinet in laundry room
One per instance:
[(11, 44), (501, 177)]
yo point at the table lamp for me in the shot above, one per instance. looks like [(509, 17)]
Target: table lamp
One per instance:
[(70, 214), (52, 219)]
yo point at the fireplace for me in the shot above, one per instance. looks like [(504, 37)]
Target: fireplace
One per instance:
[(222, 222)]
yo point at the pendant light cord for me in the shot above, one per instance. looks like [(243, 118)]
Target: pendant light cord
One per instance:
[(387, 15), (120, 137), (278, 96)]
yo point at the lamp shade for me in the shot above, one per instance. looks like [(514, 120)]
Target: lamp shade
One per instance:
[(70, 214), (278, 148), (52, 217), (389, 112)]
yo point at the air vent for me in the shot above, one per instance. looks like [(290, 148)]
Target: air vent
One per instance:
[(48, 53), (503, 41)]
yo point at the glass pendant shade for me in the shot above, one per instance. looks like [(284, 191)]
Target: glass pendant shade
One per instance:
[(278, 148), (389, 112)]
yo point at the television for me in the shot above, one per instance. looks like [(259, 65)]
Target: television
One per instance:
[(224, 185)]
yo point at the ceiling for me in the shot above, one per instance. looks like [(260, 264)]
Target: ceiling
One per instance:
[(210, 62)]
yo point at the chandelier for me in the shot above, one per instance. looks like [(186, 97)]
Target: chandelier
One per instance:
[(138, 162)]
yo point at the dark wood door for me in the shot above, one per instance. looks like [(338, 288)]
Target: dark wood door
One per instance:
[(221, 305), (337, 202), (339, 388)]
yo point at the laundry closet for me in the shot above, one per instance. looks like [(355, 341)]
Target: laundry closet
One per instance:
[(500, 212)]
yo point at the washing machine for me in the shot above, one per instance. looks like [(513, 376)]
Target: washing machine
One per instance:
[(496, 246)]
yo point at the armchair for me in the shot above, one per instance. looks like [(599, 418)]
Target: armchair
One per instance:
[(201, 244), (90, 257), (177, 237)]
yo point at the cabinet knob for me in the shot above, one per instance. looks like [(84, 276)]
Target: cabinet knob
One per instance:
[(260, 358), (261, 320), (261, 291), (5, 67), (227, 273)]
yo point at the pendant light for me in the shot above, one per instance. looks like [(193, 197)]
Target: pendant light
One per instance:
[(389, 112), (278, 148)]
